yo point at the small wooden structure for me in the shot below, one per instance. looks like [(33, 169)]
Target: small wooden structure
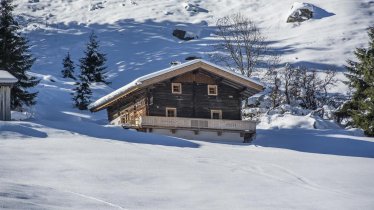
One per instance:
[(6, 82), (195, 97)]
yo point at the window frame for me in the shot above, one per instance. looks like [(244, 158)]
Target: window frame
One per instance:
[(176, 84), (216, 90), (219, 111), (170, 108)]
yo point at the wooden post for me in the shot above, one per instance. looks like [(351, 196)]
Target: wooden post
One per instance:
[(5, 103), (6, 82)]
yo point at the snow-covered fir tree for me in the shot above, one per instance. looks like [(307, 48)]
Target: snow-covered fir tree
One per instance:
[(93, 63), (15, 57), (82, 92), (68, 67), (361, 78)]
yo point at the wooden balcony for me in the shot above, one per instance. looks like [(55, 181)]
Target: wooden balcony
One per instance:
[(196, 124)]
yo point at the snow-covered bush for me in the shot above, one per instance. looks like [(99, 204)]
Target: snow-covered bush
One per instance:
[(297, 91), (300, 86)]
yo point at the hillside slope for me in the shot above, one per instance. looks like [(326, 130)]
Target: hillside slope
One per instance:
[(136, 34)]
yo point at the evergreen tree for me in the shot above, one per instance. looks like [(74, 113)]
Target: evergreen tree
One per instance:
[(82, 93), (93, 64), (361, 78), (68, 70), (15, 57)]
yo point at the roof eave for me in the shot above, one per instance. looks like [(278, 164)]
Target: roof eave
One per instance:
[(104, 105)]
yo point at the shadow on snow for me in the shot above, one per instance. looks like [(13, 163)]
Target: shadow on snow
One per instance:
[(118, 134), (330, 142), (320, 13), (24, 130)]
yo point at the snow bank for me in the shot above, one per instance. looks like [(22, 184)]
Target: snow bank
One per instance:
[(19, 116), (289, 121), (285, 121)]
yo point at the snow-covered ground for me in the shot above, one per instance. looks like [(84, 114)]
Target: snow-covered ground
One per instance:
[(111, 168), (62, 158)]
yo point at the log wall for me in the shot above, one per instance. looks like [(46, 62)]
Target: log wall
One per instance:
[(194, 102), (5, 103)]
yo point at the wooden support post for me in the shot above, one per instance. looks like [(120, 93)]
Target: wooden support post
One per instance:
[(249, 137), (5, 103), (144, 130), (194, 99)]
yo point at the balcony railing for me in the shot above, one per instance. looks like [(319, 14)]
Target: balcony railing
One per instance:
[(195, 123)]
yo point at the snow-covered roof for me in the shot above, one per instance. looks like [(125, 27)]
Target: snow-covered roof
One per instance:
[(7, 78), (139, 81)]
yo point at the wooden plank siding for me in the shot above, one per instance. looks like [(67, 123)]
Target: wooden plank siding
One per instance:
[(5, 113), (194, 102)]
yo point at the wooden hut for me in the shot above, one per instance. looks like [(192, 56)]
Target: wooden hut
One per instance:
[(6, 82), (196, 97)]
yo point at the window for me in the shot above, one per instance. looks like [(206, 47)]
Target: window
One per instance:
[(176, 88), (171, 112), (125, 118), (216, 114), (212, 90)]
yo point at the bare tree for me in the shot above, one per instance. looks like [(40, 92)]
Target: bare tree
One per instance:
[(308, 88), (289, 77), (313, 88), (276, 93), (328, 81), (283, 82), (300, 86), (242, 46)]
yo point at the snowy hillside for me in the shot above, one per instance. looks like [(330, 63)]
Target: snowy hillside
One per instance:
[(137, 37), (136, 34), (61, 158)]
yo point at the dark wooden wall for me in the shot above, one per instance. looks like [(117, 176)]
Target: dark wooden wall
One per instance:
[(194, 102)]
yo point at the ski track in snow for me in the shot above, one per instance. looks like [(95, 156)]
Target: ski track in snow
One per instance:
[(49, 188), (288, 176), (96, 199), (266, 170)]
